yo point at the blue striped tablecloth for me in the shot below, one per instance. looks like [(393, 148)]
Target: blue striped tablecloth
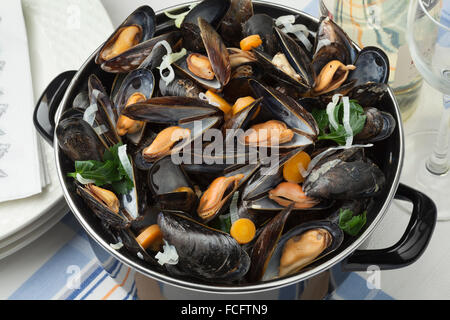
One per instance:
[(71, 271)]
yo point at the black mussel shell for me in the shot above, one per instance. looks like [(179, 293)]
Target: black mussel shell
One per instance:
[(372, 65), (106, 115), (349, 178), (143, 17), (231, 27), (204, 253), (171, 110), (329, 32), (181, 87), (164, 178), (213, 11), (136, 56), (337, 236), (262, 25), (217, 52), (78, 140), (379, 126), (297, 57)]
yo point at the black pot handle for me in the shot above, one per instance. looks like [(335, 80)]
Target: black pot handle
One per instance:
[(413, 242), (48, 103)]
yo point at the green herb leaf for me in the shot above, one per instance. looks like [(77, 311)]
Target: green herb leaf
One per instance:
[(357, 122), (351, 224), (222, 223), (108, 172)]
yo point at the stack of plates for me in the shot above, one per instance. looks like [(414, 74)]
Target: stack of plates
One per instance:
[(61, 36)]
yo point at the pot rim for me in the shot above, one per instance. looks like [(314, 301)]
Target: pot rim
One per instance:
[(241, 289)]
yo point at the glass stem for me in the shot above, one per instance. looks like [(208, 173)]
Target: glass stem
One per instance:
[(438, 161)]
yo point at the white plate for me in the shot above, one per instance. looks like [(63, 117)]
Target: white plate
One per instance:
[(61, 36)]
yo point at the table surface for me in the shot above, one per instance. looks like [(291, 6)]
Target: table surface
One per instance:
[(25, 274)]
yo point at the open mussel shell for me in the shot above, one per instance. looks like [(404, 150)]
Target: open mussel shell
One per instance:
[(232, 126), (115, 220), (142, 82), (217, 52), (204, 253), (344, 175), (171, 187), (105, 118), (182, 67), (265, 204), (181, 87), (263, 25), (370, 94), (372, 65), (213, 11), (78, 140), (144, 19), (266, 177), (290, 112), (128, 239), (330, 33), (134, 203), (171, 110), (330, 52), (297, 57), (231, 27), (276, 73), (379, 126), (219, 194), (218, 57), (137, 57), (326, 237)]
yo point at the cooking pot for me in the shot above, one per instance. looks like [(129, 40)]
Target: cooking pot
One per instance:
[(388, 154)]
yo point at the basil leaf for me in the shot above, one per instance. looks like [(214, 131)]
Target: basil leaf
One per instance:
[(108, 172), (222, 223), (321, 118), (357, 121), (351, 224)]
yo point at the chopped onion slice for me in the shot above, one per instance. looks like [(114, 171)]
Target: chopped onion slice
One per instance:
[(101, 129), (346, 120), (179, 18), (125, 161), (167, 60), (282, 20), (330, 111), (205, 98), (234, 216), (116, 246), (84, 181), (169, 256), (299, 30), (90, 113)]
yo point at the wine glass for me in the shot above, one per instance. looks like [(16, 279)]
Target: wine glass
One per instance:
[(427, 164)]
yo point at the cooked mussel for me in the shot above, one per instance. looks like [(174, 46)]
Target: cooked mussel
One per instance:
[(139, 27), (220, 191), (301, 246), (287, 112), (211, 71), (138, 86), (171, 187)]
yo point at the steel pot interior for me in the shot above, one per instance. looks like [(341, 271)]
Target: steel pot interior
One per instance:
[(387, 154)]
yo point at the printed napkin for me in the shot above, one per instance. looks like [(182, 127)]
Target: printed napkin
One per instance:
[(20, 169)]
